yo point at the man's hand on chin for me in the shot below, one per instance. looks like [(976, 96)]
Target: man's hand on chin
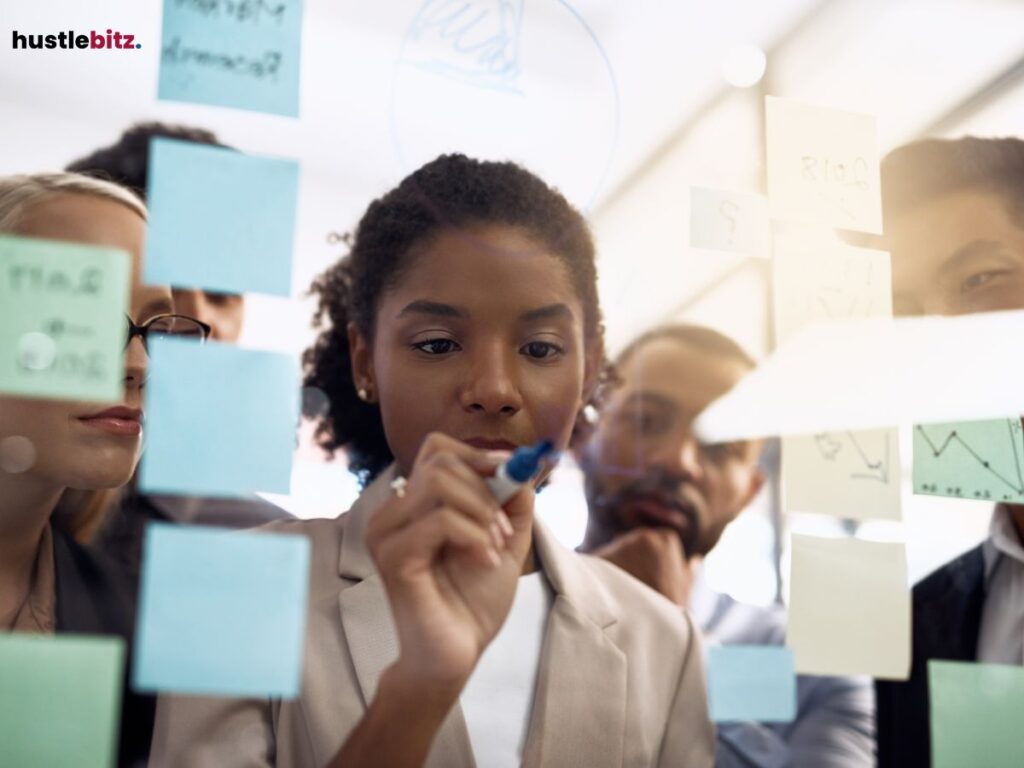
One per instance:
[(656, 557)]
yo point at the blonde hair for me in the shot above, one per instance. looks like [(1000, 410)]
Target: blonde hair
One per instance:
[(83, 512), (20, 192)]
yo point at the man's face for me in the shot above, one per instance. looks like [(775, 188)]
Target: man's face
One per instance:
[(955, 255), (643, 466)]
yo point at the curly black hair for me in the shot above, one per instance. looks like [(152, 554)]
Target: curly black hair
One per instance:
[(450, 191), (126, 161)]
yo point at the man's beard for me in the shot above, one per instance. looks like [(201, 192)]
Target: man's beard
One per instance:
[(658, 485)]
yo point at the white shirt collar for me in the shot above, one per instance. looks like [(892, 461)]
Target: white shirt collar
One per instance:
[(1002, 541), (703, 599)]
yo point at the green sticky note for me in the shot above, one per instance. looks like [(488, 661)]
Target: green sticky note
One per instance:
[(975, 714), (970, 459), (62, 319), (60, 700)]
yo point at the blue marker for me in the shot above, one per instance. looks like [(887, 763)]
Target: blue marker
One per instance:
[(524, 465)]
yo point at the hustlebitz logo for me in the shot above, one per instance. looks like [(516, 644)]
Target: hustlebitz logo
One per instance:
[(109, 40)]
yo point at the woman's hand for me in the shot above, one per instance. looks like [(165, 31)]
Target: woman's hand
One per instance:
[(449, 558)]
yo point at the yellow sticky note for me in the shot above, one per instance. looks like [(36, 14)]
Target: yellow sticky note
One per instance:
[(829, 282), (823, 166), (850, 474), (849, 610)]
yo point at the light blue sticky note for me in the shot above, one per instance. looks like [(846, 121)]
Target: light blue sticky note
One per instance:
[(975, 714), (219, 420), (751, 682), (221, 612), (60, 700), (219, 219), (244, 55)]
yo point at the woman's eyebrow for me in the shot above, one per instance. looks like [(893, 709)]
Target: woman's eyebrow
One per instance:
[(548, 312), (432, 308), (158, 307), (964, 255)]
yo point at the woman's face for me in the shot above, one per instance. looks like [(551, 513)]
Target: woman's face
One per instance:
[(55, 442), (482, 339)]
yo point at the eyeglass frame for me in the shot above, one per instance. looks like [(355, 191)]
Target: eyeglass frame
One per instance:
[(142, 330)]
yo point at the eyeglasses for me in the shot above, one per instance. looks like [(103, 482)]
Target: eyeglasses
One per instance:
[(177, 326)]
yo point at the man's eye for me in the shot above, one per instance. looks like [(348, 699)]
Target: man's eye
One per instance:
[(980, 279), (436, 346), (724, 451), (643, 422), (541, 350)]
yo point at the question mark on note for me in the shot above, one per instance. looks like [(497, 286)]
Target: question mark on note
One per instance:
[(728, 209)]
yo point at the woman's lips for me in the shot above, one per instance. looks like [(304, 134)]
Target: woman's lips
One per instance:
[(121, 421)]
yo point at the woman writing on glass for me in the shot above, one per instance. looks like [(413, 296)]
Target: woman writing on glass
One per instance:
[(445, 629)]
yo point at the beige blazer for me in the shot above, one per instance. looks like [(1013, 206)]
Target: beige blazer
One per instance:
[(620, 681)]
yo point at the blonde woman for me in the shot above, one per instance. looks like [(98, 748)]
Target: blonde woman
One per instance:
[(49, 581)]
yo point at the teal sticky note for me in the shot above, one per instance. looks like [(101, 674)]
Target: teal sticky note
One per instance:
[(244, 55), (221, 612), (970, 460), (751, 682), (60, 700), (219, 219), (63, 321), (219, 420), (975, 714)]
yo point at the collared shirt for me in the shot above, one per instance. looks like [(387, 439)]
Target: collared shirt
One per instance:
[(37, 613), (1001, 639), (834, 725)]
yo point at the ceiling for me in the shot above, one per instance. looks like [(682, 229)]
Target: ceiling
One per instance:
[(604, 87)]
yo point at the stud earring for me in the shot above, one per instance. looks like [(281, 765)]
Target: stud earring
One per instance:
[(363, 395)]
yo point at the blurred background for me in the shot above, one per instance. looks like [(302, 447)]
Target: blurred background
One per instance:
[(623, 106)]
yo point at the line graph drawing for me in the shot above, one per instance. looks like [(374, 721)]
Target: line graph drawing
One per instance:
[(842, 282), (851, 474), (971, 460), (831, 444)]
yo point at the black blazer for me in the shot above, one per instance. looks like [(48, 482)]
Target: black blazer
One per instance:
[(946, 623), (95, 598)]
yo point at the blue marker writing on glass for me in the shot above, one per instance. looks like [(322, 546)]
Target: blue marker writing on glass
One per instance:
[(524, 465)]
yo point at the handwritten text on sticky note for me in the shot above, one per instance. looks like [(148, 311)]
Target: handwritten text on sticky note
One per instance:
[(232, 53), (62, 319), (823, 166), (729, 221)]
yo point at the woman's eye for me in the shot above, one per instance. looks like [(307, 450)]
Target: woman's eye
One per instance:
[(541, 350), (436, 346), (980, 279)]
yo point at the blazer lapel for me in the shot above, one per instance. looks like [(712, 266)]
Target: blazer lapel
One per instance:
[(579, 710), (370, 631)]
